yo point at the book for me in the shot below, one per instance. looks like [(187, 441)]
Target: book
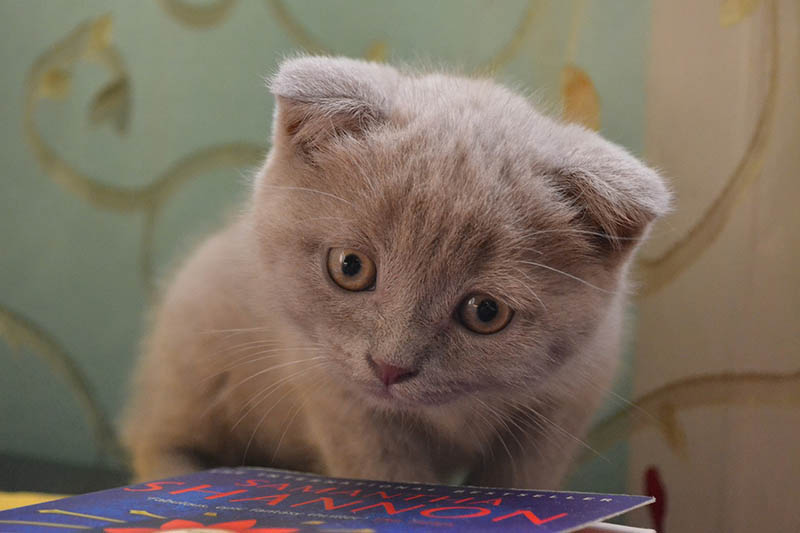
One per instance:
[(267, 500)]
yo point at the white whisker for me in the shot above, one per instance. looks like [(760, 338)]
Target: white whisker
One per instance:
[(288, 425), (305, 189), (315, 219), (542, 431), (489, 425), (619, 398), (264, 416), (230, 390), (230, 351), (275, 367), (533, 293), (581, 232), (261, 421), (500, 437), (566, 433), (567, 274), (260, 397), (240, 362)]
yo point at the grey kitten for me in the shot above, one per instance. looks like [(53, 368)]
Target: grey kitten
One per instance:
[(429, 279)]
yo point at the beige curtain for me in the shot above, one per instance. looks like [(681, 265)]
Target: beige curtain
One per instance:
[(718, 349)]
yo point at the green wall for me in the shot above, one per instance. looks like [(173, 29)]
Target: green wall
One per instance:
[(127, 130)]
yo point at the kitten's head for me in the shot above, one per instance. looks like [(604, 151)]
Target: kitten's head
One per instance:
[(435, 234)]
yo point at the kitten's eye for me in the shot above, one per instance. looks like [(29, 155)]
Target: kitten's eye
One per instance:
[(483, 314), (350, 269)]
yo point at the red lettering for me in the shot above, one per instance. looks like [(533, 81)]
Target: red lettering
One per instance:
[(327, 503), (249, 483), (223, 494), (351, 493), (198, 488), (479, 511), (304, 488), (496, 502), (530, 516), (153, 486), (388, 507), (201, 488), (261, 484), (441, 499), (383, 495), (276, 486), (464, 500), (275, 499)]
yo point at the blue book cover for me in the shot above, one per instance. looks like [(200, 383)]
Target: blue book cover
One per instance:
[(265, 500)]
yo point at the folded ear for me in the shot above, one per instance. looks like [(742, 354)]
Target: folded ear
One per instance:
[(320, 98), (616, 195)]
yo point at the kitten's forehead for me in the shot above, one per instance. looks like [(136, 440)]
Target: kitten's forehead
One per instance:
[(444, 196), (437, 219)]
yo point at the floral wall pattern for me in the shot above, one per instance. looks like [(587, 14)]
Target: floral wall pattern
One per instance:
[(129, 129)]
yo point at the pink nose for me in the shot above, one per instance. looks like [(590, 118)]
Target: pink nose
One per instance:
[(390, 374)]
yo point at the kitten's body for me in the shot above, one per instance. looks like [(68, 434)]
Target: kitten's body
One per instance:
[(450, 186)]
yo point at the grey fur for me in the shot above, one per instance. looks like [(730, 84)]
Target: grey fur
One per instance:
[(451, 185)]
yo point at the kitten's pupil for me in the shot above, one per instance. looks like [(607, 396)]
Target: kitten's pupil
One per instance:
[(487, 310), (351, 265)]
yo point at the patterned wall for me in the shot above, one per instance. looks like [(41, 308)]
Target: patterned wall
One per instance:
[(127, 129)]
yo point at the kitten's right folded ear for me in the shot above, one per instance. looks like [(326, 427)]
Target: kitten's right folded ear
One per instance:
[(321, 98)]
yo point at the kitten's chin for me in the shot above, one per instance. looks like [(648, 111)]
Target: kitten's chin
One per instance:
[(401, 397)]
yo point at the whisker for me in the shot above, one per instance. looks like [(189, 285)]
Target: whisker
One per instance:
[(566, 433), (522, 430), (230, 390), (476, 429), (619, 398), (262, 342), (534, 250), (260, 397), (275, 367), (582, 232), (576, 278), (489, 425), (543, 431), (233, 350), (273, 355), (305, 189), (288, 425), (326, 218), (503, 420), (533, 293), (244, 350), (264, 416), (232, 330), (261, 421), (500, 438)]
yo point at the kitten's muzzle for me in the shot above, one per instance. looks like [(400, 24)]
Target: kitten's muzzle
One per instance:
[(390, 374)]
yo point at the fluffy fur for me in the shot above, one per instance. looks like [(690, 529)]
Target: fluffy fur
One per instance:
[(451, 186)]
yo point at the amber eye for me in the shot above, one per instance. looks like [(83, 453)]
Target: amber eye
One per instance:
[(351, 269), (483, 314)]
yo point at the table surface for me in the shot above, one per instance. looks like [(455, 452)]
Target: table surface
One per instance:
[(10, 500)]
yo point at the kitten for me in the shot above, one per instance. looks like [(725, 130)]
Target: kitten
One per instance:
[(429, 278)]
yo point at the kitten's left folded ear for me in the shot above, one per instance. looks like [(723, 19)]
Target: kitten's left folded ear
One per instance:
[(320, 98), (616, 195)]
